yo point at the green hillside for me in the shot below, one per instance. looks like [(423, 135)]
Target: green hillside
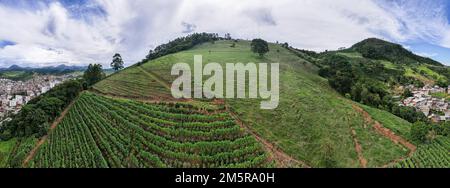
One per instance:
[(392, 64), (373, 48), (394, 123), (312, 123)]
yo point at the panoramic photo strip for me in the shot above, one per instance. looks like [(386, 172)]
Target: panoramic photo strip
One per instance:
[(224, 91)]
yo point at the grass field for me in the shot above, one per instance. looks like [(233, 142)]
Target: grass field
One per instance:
[(16, 75), (430, 73), (133, 83), (351, 54), (398, 125), (388, 64), (411, 73), (312, 123), (5, 150)]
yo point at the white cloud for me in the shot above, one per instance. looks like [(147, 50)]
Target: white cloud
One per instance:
[(51, 35), (39, 33), (421, 20)]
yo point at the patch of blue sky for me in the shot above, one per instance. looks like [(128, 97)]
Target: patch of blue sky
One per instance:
[(80, 9), (435, 52), (4, 43), (448, 11)]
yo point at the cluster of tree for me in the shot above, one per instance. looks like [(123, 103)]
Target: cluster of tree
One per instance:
[(407, 113), (179, 44), (403, 80), (440, 81), (340, 74), (424, 132), (227, 36), (445, 71), (309, 53), (407, 93), (35, 117), (259, 46), (93, 74)]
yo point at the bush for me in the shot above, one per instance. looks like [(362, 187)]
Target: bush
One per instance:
[(259, 46), (419, 132)]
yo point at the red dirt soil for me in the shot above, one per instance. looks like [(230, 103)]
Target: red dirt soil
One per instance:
[(380, 129), (358, 148)]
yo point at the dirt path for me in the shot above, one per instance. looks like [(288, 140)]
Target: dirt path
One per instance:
[(44, 138), (156, 77), (380, 129), (358, 148), (282, 159)]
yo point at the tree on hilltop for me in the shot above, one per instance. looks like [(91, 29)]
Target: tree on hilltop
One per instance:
[(117, 62), (93, 74), (227, 36), (260, 47)]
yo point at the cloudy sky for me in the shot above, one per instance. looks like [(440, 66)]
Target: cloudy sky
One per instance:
[(79, 32)]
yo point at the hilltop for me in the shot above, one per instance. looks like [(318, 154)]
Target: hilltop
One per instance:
[(374, 48)]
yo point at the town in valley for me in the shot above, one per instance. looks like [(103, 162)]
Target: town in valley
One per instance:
[(432, 101)]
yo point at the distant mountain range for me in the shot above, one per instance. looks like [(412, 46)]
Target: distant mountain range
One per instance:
[(59, 68)]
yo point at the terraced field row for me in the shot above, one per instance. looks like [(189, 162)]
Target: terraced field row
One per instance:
[(106, 132), (434, 155), (132, 83)]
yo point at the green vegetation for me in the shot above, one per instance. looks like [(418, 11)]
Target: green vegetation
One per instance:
[(107, 132), (398, 125), (350, 54), (388, 65), (378, 49), (16, 75), (133, 83), (419, 132), (433, 155), (369, 82), (409, 72), (21, 150), (117, 62), (180, 44), (441, 95), (5, 151), (258, 46), (93, 74)]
